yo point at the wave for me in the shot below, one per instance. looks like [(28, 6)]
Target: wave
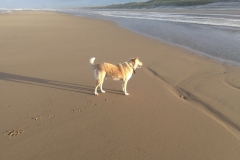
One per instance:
[(9, 10), (204, 19)]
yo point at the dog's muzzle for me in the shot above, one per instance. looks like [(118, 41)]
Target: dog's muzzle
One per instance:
[(139, 65)]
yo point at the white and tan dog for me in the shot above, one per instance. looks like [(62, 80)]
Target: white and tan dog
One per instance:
[(121, 71)]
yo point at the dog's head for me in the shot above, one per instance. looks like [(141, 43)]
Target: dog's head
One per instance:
[(136, 63)]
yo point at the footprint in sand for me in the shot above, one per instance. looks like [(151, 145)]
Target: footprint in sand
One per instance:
[(80, 110), (52, 116), (89, 105), (13, 133), (36, 118)]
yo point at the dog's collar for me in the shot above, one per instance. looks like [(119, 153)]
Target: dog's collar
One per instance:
[(133, 70), (131, 67)]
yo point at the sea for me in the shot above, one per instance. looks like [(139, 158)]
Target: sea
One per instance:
[(210, 30)]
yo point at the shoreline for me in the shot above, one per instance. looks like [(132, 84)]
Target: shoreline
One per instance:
[(177, 100), (218, 57)]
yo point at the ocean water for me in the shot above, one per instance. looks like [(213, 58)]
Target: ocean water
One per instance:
[(214, 35), (4, 10), (10, 10)]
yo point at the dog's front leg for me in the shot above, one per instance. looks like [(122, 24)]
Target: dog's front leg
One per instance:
[(125, 88)]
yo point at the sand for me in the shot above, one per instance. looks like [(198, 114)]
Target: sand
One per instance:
[(181, 106)]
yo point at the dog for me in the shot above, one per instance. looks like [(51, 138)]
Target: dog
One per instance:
[(121, 71)]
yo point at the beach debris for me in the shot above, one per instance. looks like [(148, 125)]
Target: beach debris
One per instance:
[(13, 133)]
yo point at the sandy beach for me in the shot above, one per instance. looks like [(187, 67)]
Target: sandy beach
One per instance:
[(181, 106)]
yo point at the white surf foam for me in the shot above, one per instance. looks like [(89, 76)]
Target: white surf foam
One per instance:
[(209, 19)]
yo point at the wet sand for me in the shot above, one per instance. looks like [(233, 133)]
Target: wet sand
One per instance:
[(181, 106)]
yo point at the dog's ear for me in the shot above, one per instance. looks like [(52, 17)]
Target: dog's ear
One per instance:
[(136, 59), (133, 60)]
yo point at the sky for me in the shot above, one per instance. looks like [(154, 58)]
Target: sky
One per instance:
[(59, 3)]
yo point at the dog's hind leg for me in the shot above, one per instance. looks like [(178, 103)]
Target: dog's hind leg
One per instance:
[(97, 76), (98, 83), (100, 78), (101, 87)]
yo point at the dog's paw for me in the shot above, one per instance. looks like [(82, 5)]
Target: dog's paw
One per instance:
[(103, 91), (126, 94), (96, 94)]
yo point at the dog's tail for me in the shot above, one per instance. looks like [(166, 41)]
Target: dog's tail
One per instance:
[(91, 61)]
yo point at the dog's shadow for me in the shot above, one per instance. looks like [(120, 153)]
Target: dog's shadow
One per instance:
[(52, 84)]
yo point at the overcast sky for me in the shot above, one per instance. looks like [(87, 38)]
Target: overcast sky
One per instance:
[(59, 3)]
